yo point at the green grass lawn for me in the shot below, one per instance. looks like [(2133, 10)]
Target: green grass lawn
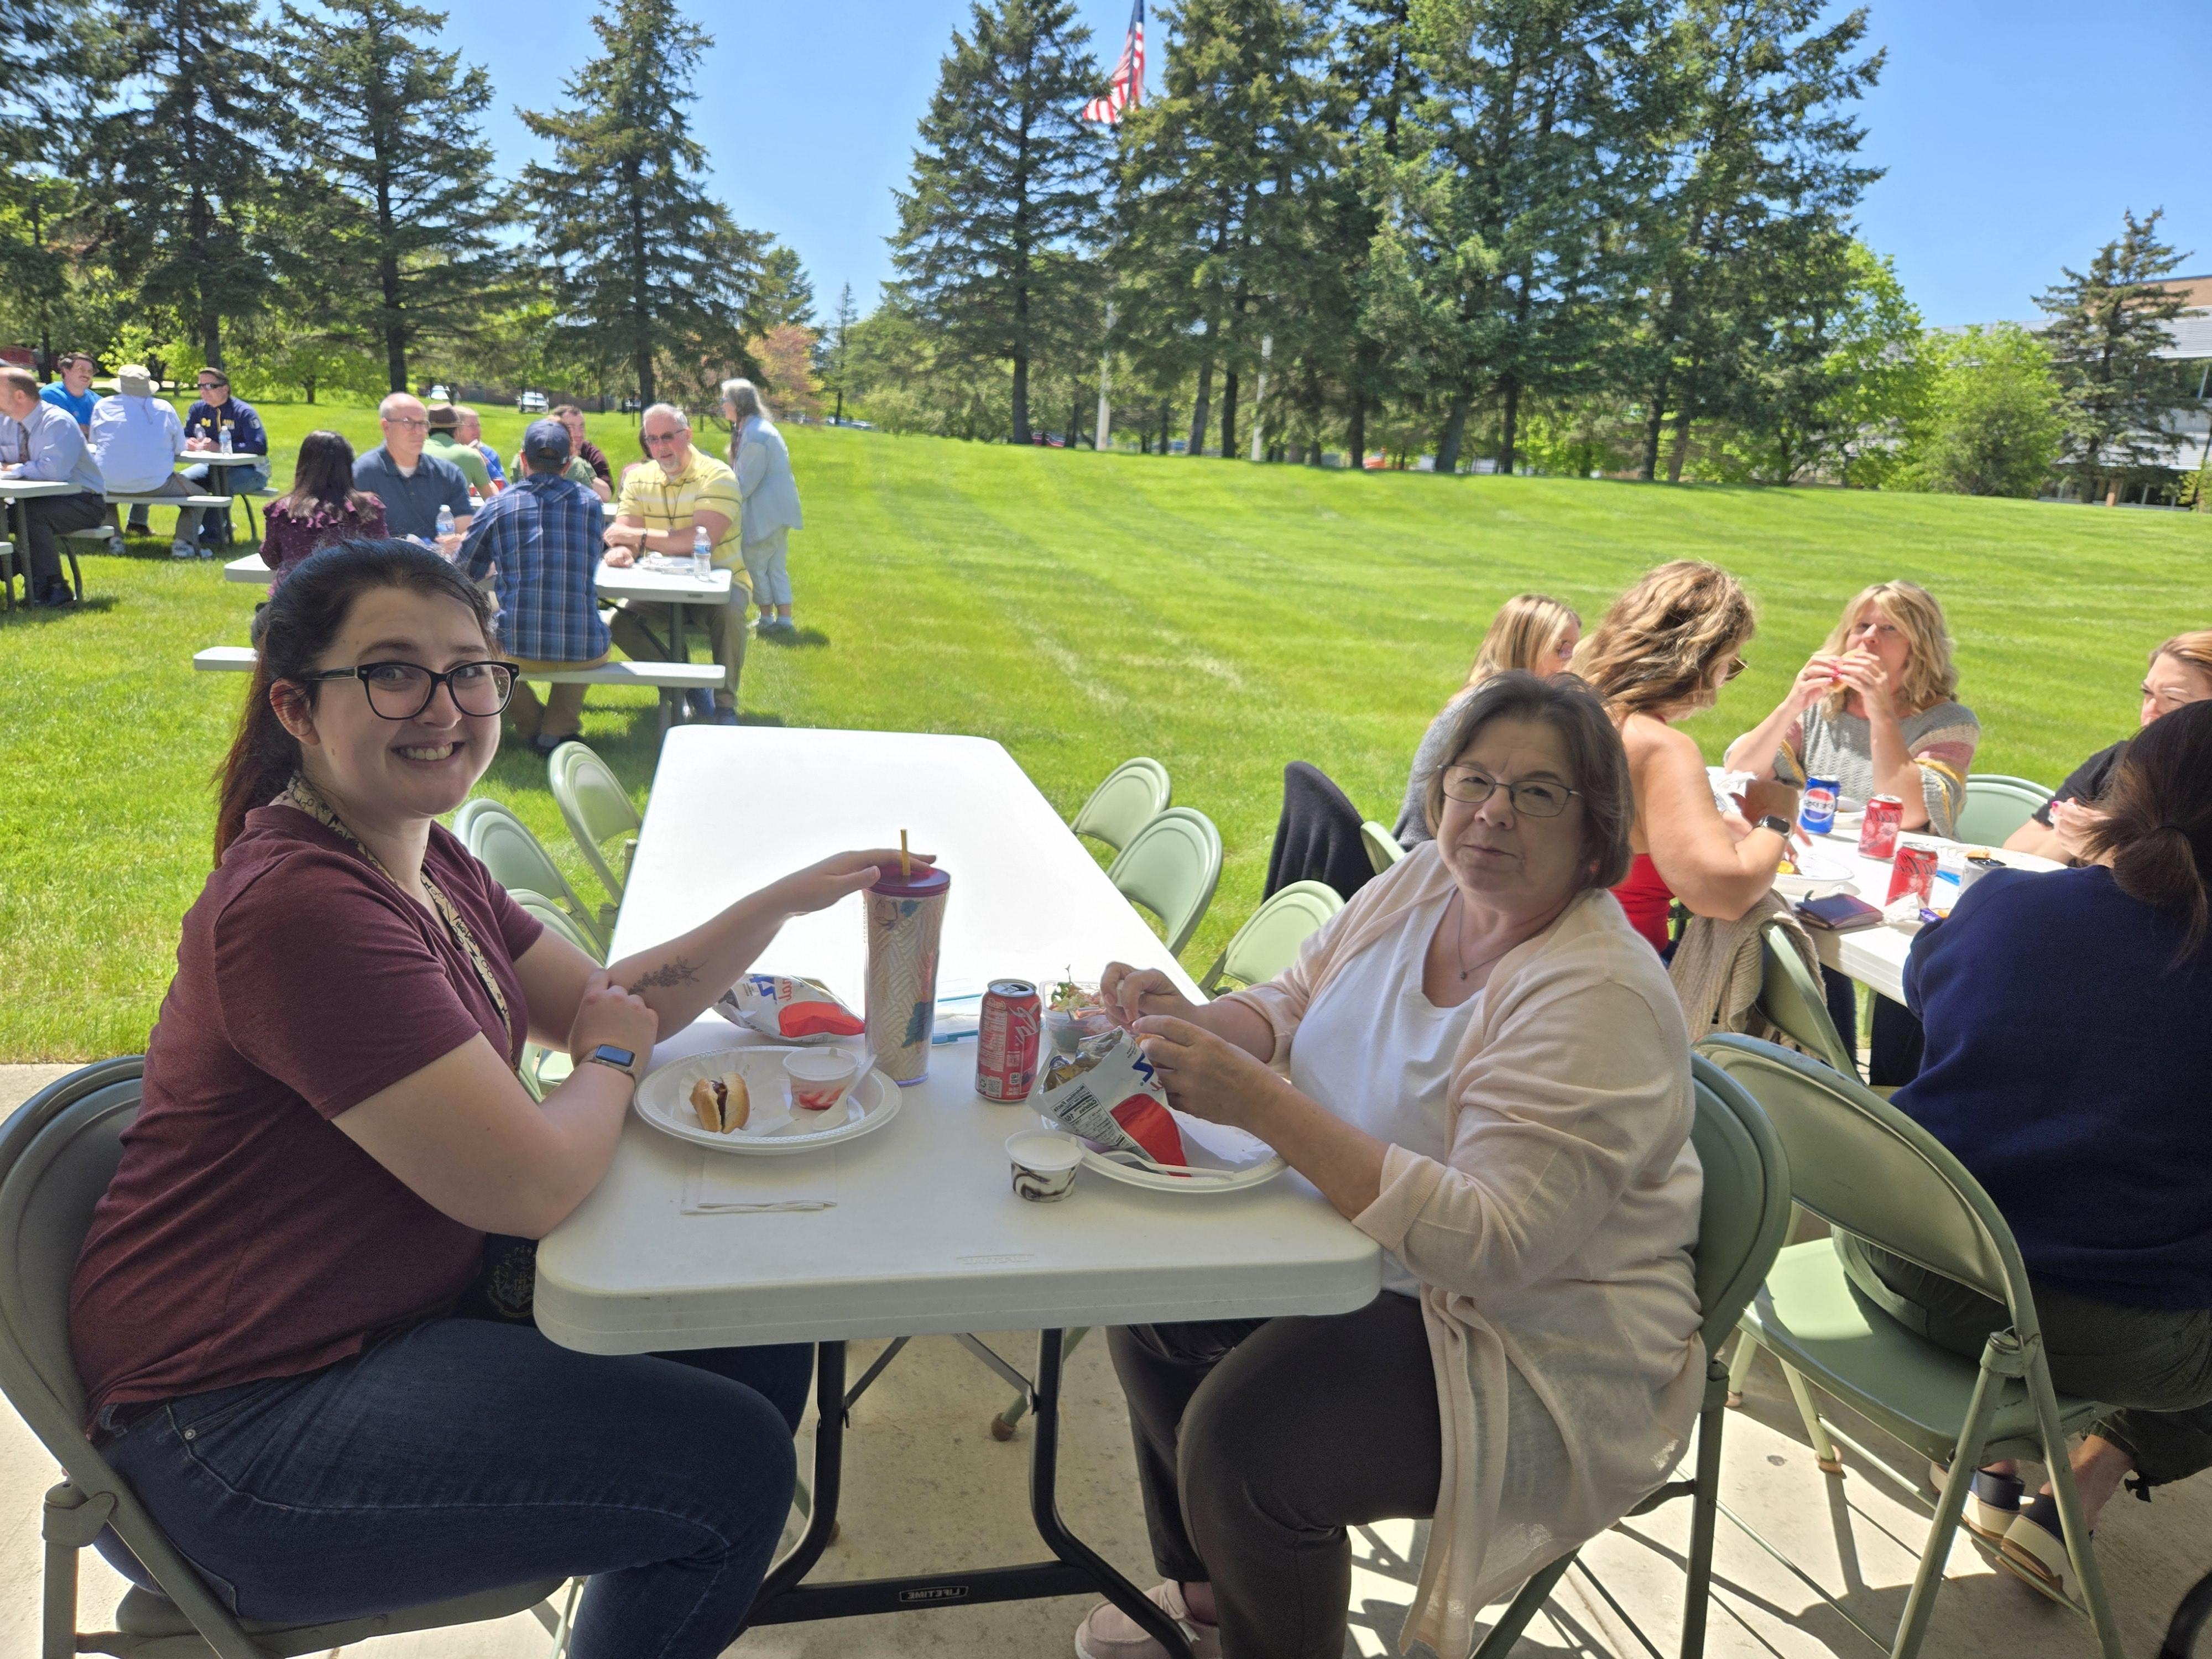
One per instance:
[(1080, 608)]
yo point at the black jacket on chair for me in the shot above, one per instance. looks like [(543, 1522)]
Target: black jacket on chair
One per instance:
[(1318, 838)]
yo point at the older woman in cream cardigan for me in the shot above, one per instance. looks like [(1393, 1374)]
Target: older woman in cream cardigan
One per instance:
[(1482, 1065)]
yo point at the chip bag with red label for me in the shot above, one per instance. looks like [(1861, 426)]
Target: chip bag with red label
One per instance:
[(1106, 1092), (795, 1010)]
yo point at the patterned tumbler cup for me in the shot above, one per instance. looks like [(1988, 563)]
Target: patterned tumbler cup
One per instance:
[(905, 913)]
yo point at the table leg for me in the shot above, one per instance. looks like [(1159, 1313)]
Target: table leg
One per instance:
[(1079, 1571)]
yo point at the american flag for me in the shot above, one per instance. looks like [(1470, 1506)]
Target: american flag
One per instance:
[(1127, 90)]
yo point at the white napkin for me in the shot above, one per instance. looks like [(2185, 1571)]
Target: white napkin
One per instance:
[(714, 1184)]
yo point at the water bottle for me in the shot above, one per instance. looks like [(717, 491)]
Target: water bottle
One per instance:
[(445, 522), (702, 554), (225, 440)]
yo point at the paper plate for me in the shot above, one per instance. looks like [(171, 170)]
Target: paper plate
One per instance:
[(664, 1101), (1822, 868), (1247, 1161)]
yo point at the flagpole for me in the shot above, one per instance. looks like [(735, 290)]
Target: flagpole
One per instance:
[(1101, 436)]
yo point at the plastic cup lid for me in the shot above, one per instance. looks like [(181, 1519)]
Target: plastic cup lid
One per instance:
[(928, 881)]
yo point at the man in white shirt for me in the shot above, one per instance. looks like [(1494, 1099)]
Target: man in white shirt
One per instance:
[(136, 440)]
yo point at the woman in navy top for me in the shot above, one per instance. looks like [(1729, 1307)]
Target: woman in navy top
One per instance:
[(2068, 1066)]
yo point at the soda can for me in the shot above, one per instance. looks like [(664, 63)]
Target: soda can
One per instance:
[(1816, 812), (1914, 872), (905, 915), (1885, 815), (1978, 865), (1009, 1033)]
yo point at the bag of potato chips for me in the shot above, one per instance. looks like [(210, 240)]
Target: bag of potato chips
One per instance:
[(1106, 1092), (794, 1010)]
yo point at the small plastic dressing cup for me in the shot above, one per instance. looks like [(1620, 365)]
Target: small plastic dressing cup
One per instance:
[(1044, 1164), (819, 1079)]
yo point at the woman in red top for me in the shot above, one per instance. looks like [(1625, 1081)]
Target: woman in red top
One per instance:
[(264, 1314), (322, 508), (1661, 653)]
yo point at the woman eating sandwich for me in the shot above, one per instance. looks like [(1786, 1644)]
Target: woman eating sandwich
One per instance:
[(264, 1314)]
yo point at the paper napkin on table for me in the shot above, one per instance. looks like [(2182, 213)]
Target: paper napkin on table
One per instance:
[(717, 1185)]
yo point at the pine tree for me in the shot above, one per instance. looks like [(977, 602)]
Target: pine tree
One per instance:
[(784, 296), (648, 269), (183, 173), (2107, 326), (394, 237), (1218, 182), (836, 350), (996, 228), (1762, 156)]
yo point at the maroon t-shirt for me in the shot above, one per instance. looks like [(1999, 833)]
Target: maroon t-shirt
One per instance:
[(245, 1236)]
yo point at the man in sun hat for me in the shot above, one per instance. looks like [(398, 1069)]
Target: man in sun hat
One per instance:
[(137, 442)]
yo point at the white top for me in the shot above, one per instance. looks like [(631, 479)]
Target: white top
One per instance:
[(1374, 1050), (928, 1234), (135, 441)]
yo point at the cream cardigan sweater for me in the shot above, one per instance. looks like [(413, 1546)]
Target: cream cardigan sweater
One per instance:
[(1553, 1240)]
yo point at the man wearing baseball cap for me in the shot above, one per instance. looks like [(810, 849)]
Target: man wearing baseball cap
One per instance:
[(542, 538)]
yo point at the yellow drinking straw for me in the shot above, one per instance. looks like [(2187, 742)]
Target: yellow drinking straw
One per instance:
[(906, 864)]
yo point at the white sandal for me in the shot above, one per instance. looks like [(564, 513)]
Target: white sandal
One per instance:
[(1110, 1634)]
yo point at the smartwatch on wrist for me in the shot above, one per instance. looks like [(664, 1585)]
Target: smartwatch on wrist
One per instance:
[(621, 1060), (1780, 825)]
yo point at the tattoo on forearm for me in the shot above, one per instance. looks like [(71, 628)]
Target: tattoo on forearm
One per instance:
[(676, 971)]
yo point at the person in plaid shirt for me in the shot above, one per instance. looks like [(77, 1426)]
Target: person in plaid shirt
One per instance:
[(543, 537)]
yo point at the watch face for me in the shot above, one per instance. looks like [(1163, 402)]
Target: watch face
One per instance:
[(619, 1056)]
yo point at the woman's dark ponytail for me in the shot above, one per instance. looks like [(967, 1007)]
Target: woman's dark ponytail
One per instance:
[(307, 612), (2157, 825)]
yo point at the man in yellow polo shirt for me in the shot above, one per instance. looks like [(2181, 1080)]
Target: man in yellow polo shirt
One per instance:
[(664, 503)]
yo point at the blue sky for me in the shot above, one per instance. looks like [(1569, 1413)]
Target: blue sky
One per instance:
[(2014, 131)]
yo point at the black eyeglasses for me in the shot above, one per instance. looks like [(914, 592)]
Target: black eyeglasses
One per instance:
[(401, 691), (658, 438), (1538, 798)]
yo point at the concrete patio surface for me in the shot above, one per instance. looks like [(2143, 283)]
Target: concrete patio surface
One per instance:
[(927, 1487)]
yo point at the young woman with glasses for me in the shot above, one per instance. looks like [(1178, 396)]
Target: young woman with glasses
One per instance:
[(1661, 653), (264, 1314), (1484, 1069)]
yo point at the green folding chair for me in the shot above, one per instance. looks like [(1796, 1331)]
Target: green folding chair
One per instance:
[(56, 1155), (519, 862), (1382, 846), (1171, 867), (1132, 794), (1996, 805), (543, 1068), (1269, 942), (1741, 1221), (596, 809), (1794, 1003), (1867, 1169)]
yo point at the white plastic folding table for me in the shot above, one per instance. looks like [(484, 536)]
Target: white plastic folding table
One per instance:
[(1874, 956), (13, 493), (927, 1234)]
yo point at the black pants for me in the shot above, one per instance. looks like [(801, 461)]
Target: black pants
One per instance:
[(1259, 1441), (52, 517), (2155, 1364), (1893, 1048)]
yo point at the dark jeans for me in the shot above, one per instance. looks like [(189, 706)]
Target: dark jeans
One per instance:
[(52, 517), (1893, 1046), (1259, 1441), (2155, 1364), (463, 1455)]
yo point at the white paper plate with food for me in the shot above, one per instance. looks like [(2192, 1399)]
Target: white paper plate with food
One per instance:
[(1817, 869), (746, 1093), (1221, 1160)]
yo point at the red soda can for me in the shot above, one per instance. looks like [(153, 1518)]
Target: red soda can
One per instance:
[(1885, 815), (1009, 1032), (1913, 872)]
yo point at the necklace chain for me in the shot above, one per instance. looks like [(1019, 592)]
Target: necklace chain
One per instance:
[(1466, 973)]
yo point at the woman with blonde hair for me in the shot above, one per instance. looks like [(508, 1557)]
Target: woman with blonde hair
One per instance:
[(2181, 673), (1874, 709), (1531, 631), (1662, 653)]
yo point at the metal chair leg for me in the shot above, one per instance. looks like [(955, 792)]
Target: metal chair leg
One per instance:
[(1525, 1606), (1823, 1449), (2001, 1360), (1747, 1350), (1007, 1421)]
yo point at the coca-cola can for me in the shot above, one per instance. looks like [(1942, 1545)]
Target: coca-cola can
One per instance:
[(1914, 872), (1009, 1034), (1885, 815)]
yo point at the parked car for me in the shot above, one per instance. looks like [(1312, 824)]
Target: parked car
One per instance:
[(530, 403)]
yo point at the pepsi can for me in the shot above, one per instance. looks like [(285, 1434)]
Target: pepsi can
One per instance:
[(1816, 812)]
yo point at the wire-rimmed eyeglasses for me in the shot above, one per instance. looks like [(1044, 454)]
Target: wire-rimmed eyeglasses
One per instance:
[(1538, 798)]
